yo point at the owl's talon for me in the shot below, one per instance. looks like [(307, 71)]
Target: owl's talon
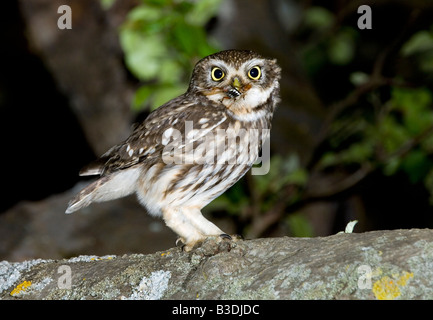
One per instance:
[(180, 242), (233, 237), (226, 236)]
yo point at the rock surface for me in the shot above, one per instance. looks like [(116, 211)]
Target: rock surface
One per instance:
[(374, 265)]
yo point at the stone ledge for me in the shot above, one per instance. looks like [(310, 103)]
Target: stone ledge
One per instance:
[(394, 264)]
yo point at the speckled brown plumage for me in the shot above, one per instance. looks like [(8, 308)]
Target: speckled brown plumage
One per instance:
[(193, 148)]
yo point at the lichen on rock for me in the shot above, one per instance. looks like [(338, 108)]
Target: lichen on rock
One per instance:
[(373, 265)]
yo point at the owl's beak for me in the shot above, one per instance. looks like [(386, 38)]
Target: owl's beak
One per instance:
[(236, 83), (234, 91)]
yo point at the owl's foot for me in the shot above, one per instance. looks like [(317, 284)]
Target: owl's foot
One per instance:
[(214, 244), (187, 246)]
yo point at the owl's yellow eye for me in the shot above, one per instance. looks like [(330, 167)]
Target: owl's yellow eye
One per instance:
[(217, 74), (255, 73)]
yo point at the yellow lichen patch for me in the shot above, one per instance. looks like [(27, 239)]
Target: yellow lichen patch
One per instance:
[(101, 258), (165, 253), (404, 278), (389, 288), (21, 287)]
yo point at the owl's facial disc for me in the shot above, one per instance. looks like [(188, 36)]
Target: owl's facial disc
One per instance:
[(241, 87)]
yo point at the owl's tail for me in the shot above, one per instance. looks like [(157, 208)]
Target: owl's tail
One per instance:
[(109, 187), (86, 196)]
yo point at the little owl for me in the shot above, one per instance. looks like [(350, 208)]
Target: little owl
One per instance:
[(194, 147)]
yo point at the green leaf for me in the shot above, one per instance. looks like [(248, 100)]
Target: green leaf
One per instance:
[(202, 12), (141, 96), (392, 135), (318, 18), (410, 98), (341, 47), (417, 165), (144, 13), (329, 158), (170, 72), (357, 152), (420, 42), (165, 93), (391, 166), (188, 37), (143, 54), (416, 106), (359, 78)]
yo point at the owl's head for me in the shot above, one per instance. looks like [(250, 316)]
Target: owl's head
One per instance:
[(241, 80)]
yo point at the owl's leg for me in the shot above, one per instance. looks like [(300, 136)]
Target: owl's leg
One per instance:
[(192, 226), (208, 230), (177, 221), (205, 227)]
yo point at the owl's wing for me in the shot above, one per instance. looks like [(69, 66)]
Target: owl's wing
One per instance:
[(148, 140)]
